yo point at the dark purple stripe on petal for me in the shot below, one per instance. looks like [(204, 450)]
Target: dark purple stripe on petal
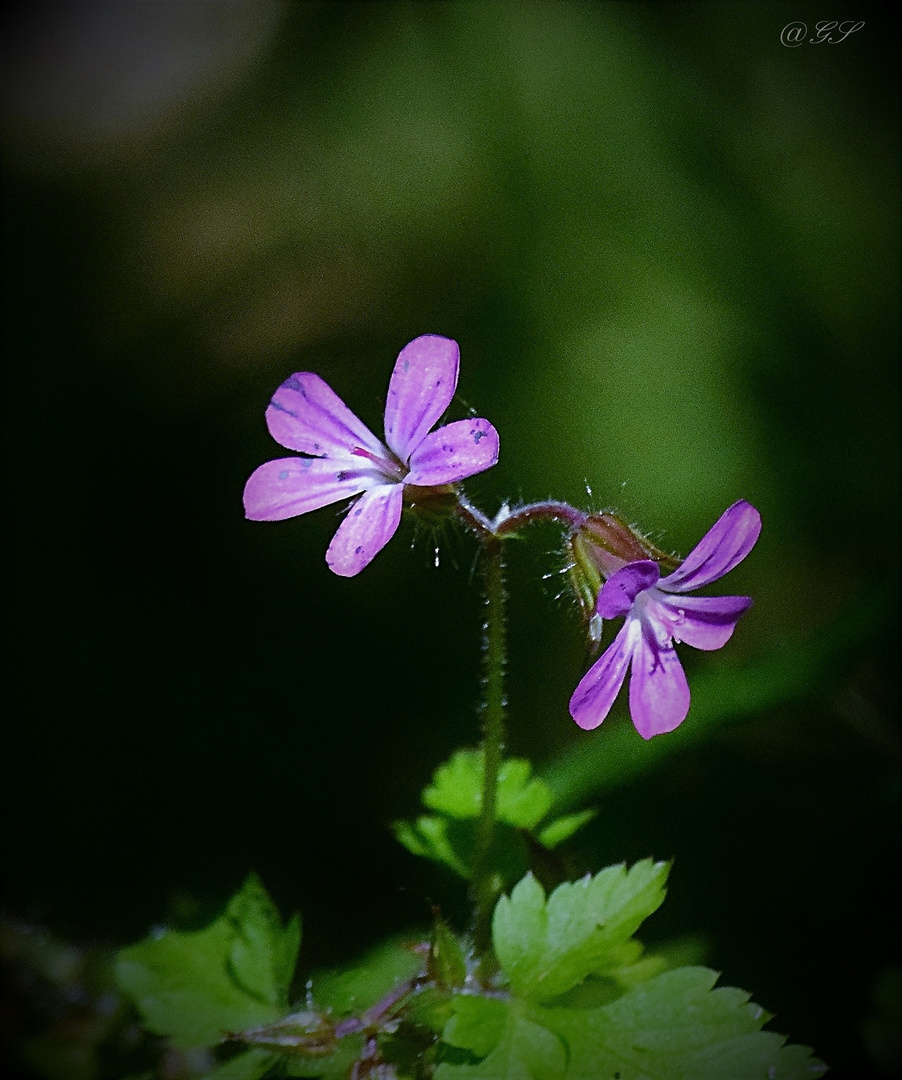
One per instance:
[(621, 589), (704, 622), (659, 693), (593, 698), (421, 388), (306, 414), (725, 544)]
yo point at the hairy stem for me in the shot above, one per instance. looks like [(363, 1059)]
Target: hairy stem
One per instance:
[(492, 532), (473, 517), (486, 881), (509, 521)]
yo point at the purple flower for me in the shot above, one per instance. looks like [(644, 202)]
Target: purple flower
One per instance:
[(344, 459), (658, 613)]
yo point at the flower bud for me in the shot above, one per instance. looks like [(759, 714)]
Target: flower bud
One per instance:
[(599, 548)]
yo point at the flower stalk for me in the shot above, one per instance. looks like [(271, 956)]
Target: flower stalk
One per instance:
[(486, 881), (508, 522)]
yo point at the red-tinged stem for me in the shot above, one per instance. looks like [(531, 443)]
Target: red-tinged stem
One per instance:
[(508, 522), (371, 1019)]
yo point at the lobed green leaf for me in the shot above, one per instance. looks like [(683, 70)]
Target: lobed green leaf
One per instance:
[(195, 987), (673, 1027), (455, 794), (515, 1045), (456, 790), (263, 955), (546, 947), (434, 838), (677, 1027)]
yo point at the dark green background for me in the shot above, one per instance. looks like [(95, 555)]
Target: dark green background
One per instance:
[(667, 246)]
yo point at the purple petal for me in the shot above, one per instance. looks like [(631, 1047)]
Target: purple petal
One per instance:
[(306, 414), (453, 452), (725, 544), (621, 589), (593, 698), (291, 486), (659, 693), (421, 388), (370, 524), (705, 622)]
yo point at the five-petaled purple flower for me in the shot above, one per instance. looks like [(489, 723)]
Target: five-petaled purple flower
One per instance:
[(345, 459), (658, 613)]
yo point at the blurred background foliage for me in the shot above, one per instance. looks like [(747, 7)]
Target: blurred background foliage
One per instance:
[(668, 247)]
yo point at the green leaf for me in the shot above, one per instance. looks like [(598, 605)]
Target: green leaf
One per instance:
[(263, 956), (515, 1045), (448, 836), (673, 1027), (478, 1023), (547, 947), (522, 802), (250, 1065), (196, 986), (355, 989), (562, 828), (335, 1066), (456, 790), (452, 842), (433, 838), (676, 1027)]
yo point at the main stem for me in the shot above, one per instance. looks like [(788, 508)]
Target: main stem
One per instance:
[(492, 534), (486, 882)]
